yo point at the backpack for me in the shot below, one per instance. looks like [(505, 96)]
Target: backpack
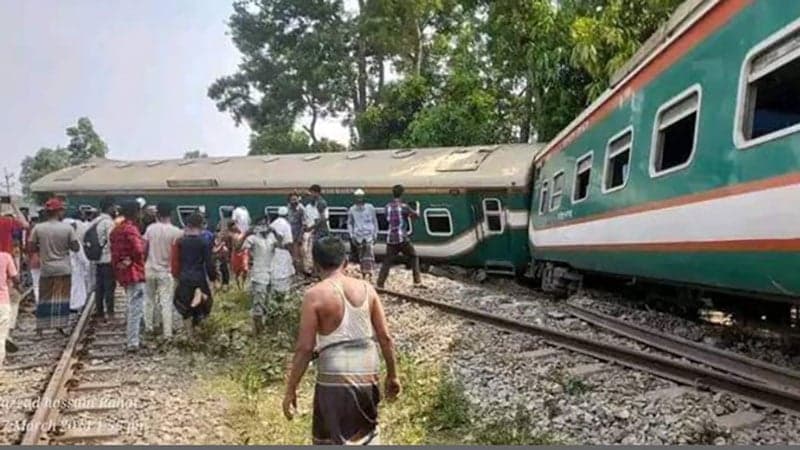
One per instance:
[(91, 244)]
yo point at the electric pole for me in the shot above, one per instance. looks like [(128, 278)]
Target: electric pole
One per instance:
[(9, 180)]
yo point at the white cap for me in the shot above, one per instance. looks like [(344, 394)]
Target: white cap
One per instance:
[(141, 201), (359, 192), (283, 211)]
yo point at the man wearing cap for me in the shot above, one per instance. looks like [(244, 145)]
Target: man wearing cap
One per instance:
[(282, 268), (362, 225), (53, 240)]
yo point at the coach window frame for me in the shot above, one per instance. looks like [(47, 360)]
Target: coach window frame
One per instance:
[(195, 208), (590, 156), (744, 105), (543, 202), (385, 231), (695, 89), (269, 211), (550, 206), (338, 210), (445, 213), (608, 156), (499, 213), (225, 207)]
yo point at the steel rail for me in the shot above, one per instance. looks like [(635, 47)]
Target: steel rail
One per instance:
[(48, 403), (693, 375), (730, 362)]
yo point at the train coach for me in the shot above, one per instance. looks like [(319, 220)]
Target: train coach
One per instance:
[(472, 201), (686, 170)]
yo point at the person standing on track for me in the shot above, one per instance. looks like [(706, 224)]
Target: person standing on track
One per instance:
[(260, 242), (80, 268), (397, 240), (160, 286), (240, 258), (362, 226), (9, 276), (342, 317), (105, 284), (127, 258), (53, 240), (282, 269)]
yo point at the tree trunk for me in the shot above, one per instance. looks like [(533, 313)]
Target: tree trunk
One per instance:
[(381, 77), (527, 116), (311, 129), (420, 49), (361, 106)]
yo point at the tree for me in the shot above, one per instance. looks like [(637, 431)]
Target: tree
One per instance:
[(279, 140), (294, 64), (602, 43), (194, 154), (84, 144)]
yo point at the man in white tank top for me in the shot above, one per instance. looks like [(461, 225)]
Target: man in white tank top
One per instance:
[(341, 320)]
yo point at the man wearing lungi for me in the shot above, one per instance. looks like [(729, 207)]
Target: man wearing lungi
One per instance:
[(343, 317), (362, 225), (53, 240)]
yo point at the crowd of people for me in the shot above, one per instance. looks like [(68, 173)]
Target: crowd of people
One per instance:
[(168, 272)]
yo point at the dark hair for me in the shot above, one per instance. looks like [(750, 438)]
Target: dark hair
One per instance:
[(292, 194), (130, 209), (164, 210), (397, 190), (195, 220), (106, 203), (315, 189), (329, 252)]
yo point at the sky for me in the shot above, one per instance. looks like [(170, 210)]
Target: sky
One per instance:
[(139, 69)]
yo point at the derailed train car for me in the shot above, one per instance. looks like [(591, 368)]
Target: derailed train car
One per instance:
[(686, 170), (472, 201)]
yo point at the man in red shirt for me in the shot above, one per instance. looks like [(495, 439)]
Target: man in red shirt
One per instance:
[(127, 259)]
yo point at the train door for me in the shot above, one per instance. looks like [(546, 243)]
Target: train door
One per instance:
[(495, 232)]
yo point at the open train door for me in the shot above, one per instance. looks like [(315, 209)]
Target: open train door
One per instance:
[(496, 232)]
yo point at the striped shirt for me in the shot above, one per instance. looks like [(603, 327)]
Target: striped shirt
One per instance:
[(397, 214)]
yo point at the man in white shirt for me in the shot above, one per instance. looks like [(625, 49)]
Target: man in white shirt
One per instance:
[(282, 264), (159, 285), (362, 225), (260, 242)]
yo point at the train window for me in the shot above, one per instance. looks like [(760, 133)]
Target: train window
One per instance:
[(184, 211), (544, 196), (583, 176), (770, 89), (226, 212), (558, 189), (438, 222), (337, 219), (271, 213), (618, 159), (675, 133), (493, 213), (383, 222)]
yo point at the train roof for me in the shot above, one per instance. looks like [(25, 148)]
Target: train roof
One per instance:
[(681, 20), (506, 165)]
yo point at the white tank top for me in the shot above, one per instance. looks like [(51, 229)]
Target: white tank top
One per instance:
[(356, 321)]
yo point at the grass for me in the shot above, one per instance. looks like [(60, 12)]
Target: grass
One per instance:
[(432, 409)]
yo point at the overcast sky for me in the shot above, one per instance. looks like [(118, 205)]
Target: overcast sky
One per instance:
[(139, 69)]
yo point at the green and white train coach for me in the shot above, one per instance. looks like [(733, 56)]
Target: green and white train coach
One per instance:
[(472, 202), (686, 170)]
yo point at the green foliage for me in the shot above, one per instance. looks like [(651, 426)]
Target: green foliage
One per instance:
[(464, 72), (271, 140), (450, 409), (84, 144)]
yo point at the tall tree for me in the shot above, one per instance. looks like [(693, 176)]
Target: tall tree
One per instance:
[(84, 144), (293, 53)]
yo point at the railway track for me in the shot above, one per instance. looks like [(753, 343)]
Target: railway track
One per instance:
[(55, 407), (754, 381)]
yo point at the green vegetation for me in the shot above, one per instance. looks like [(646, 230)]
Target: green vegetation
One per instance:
[(249, 373), (424, 72)]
